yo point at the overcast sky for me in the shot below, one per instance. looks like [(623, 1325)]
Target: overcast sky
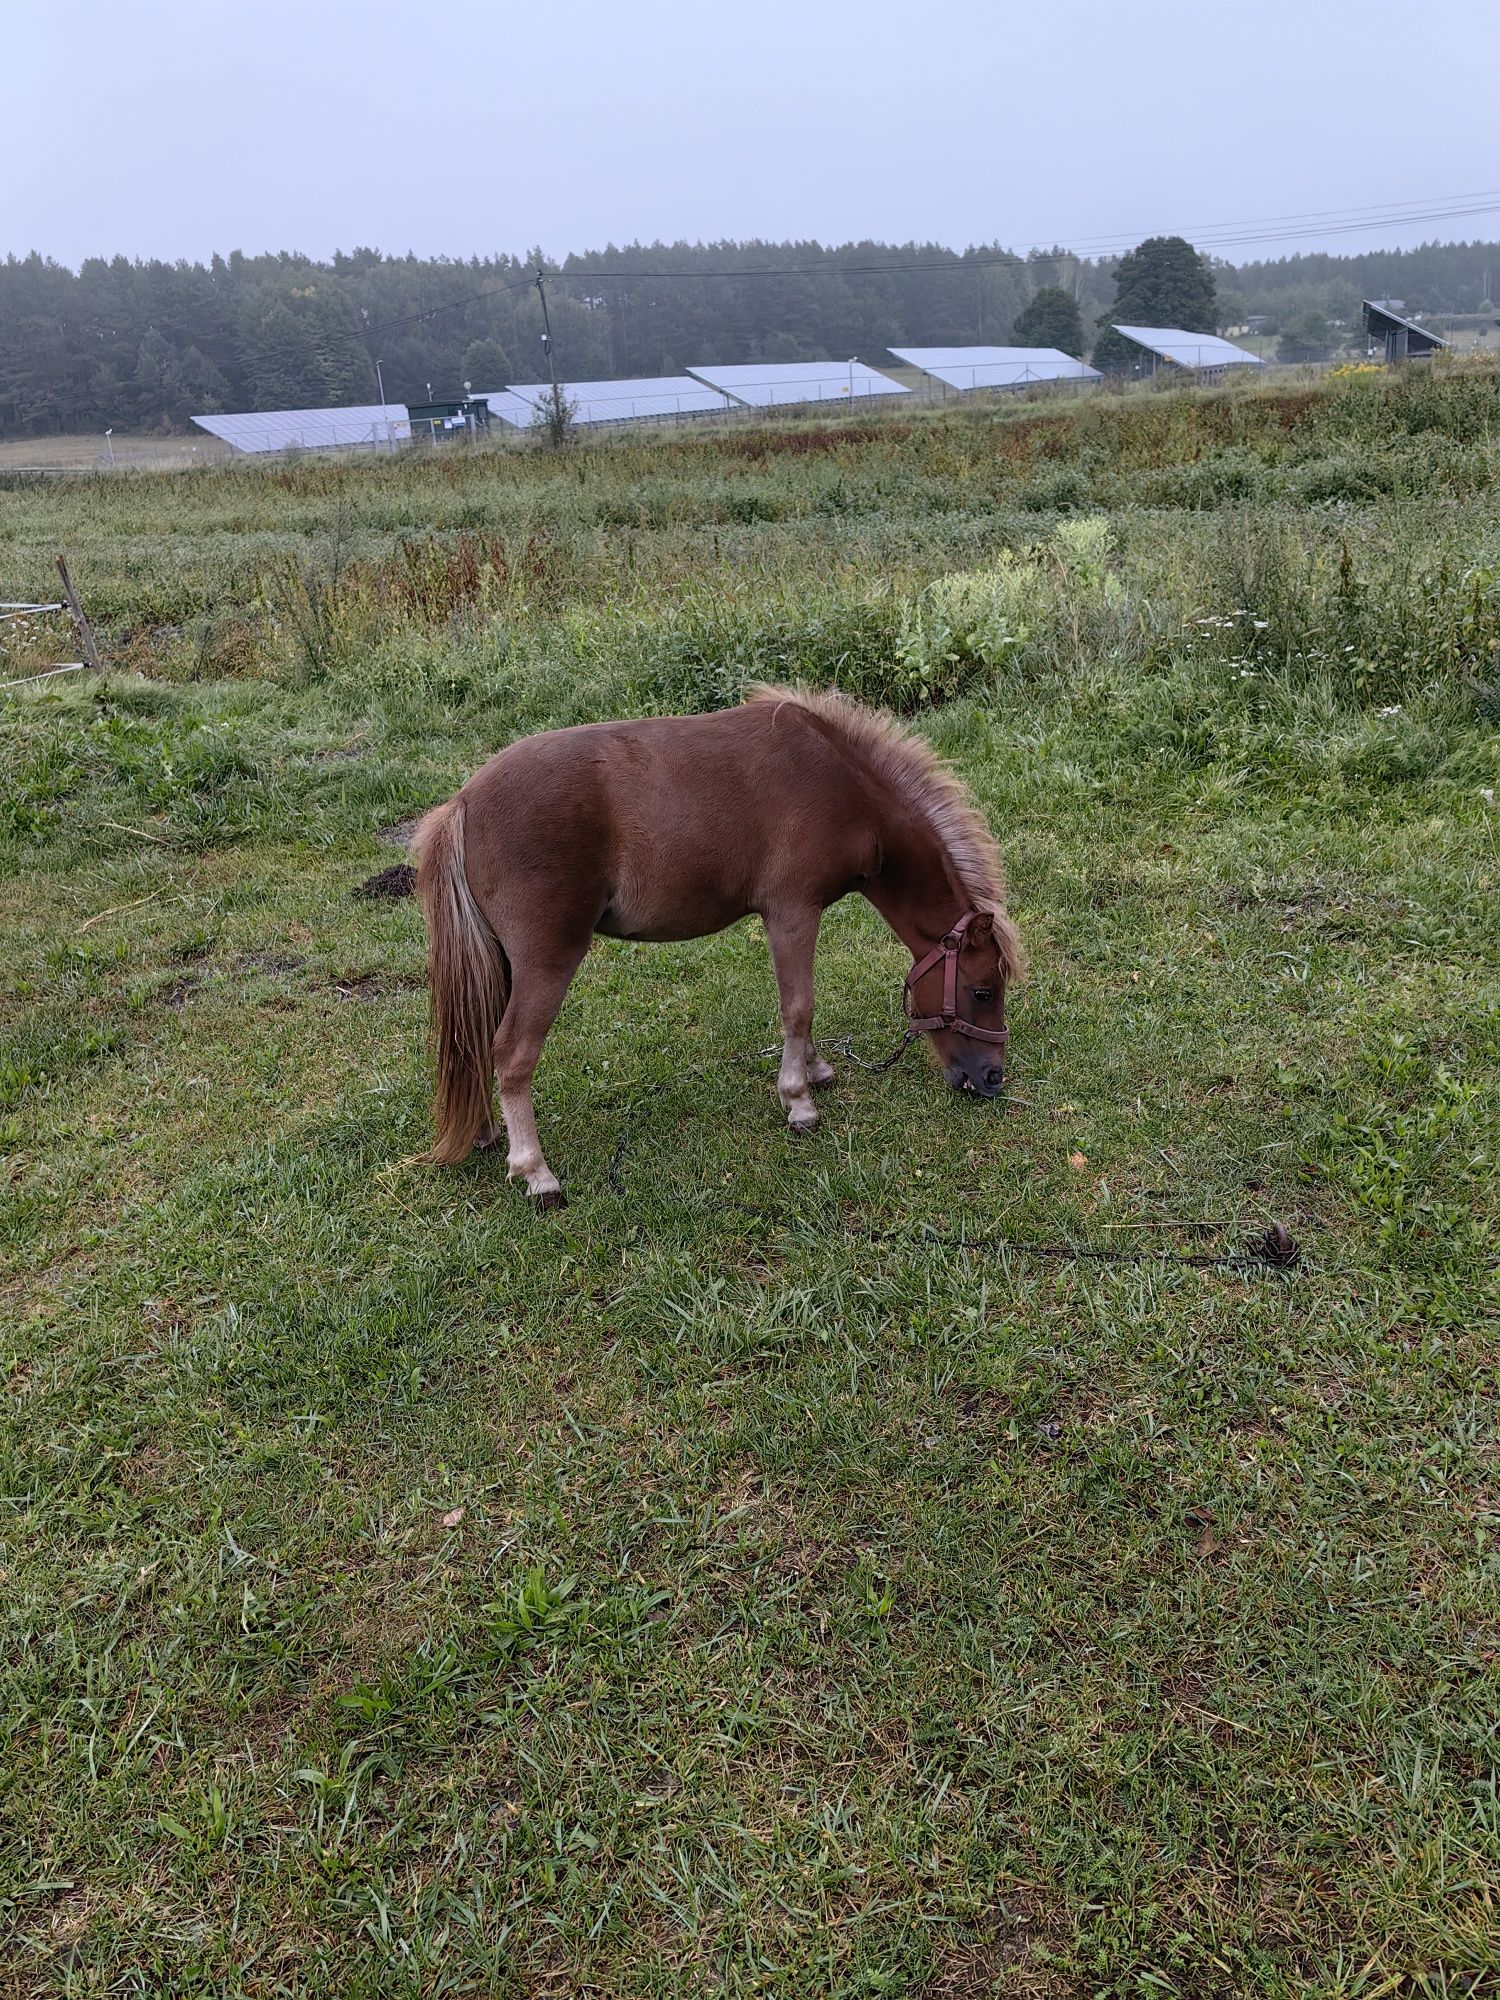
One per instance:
[(174, 128)]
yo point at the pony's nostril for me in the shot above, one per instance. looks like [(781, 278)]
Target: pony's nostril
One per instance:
[(994, 1078)]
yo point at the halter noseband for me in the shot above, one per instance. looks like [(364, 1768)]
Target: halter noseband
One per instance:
[(946, 952)]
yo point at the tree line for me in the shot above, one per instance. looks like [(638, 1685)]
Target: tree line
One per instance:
[(144, 345)]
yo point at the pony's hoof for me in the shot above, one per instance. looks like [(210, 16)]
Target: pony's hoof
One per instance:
[(801, 1128), (544, 1198), (487, 1142), (821, 1078)]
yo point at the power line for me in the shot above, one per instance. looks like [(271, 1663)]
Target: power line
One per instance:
[(1293, 227), (1314, 222)]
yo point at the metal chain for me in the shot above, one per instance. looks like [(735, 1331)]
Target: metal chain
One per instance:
[(841, 1045)]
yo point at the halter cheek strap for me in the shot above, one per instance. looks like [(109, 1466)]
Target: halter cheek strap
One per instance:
[(946, 952)]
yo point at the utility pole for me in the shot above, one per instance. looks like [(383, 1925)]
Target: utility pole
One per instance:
[(385, 420), (557, 408)]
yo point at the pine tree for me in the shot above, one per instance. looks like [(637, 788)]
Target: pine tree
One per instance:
[(302, 347), (157, 395), (203, 384)]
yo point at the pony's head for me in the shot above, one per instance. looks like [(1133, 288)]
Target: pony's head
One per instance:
[(956, 996)]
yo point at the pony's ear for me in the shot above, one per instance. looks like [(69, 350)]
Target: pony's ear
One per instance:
[(981, 927)]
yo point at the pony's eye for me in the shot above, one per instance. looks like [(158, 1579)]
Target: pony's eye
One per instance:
[(983, 993)]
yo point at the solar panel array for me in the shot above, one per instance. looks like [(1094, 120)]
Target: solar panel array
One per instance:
[(311, 430), (768, 384), (717, 388), (1191, 350), (511, 407), (648, 397), (996, 367)]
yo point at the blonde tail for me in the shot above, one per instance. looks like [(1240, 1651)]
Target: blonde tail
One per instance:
[(469, 987)]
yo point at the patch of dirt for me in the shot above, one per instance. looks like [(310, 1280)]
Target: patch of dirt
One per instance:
[(978, 1408), (389, 884), (996, 1961), (1343, 913), (398, 835), (145, 1472), (266, 961), (1106, 889), (176, 995), (166, 1314), (1190, 1705), (371, 985)]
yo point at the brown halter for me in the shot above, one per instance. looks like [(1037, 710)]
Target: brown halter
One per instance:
[(947, 950)]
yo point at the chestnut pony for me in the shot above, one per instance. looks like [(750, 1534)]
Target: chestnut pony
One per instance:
[(673, 828)]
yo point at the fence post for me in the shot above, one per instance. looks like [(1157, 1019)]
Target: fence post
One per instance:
[(80, 621)]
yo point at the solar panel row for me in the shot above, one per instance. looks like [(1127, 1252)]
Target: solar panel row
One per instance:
[(656, 396), (311, 430), (996, 367), (1191, 350), (513, 408), (774, 384), (758, 385)]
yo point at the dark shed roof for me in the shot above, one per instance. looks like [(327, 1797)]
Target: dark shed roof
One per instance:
[(1401, 336)]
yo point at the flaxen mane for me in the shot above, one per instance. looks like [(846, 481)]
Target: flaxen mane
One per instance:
[(932, 790)]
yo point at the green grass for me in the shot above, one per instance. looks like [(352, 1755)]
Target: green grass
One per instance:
[(767, 1575)]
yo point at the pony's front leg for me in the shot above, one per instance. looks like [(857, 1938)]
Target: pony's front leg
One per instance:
[(536, 995), (793, 938)]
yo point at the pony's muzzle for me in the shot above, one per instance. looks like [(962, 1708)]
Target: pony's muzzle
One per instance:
[(984, 1076)]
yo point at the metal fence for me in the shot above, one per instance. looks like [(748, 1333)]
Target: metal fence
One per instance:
[(922, 392)]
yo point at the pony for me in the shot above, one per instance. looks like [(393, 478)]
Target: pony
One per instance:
[(678, 826)]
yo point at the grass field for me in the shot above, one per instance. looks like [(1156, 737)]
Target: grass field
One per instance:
[(92, 454), (791, 1568)]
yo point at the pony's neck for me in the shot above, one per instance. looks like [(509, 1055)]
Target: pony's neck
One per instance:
[(917, 889)]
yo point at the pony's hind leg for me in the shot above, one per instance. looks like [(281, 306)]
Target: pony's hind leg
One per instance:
[(793, 938), (536, 994)]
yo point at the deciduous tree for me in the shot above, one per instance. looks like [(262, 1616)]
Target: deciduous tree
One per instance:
[(1050, 319), (1161, 282)]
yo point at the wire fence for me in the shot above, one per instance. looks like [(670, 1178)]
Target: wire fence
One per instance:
[(519, 418)]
